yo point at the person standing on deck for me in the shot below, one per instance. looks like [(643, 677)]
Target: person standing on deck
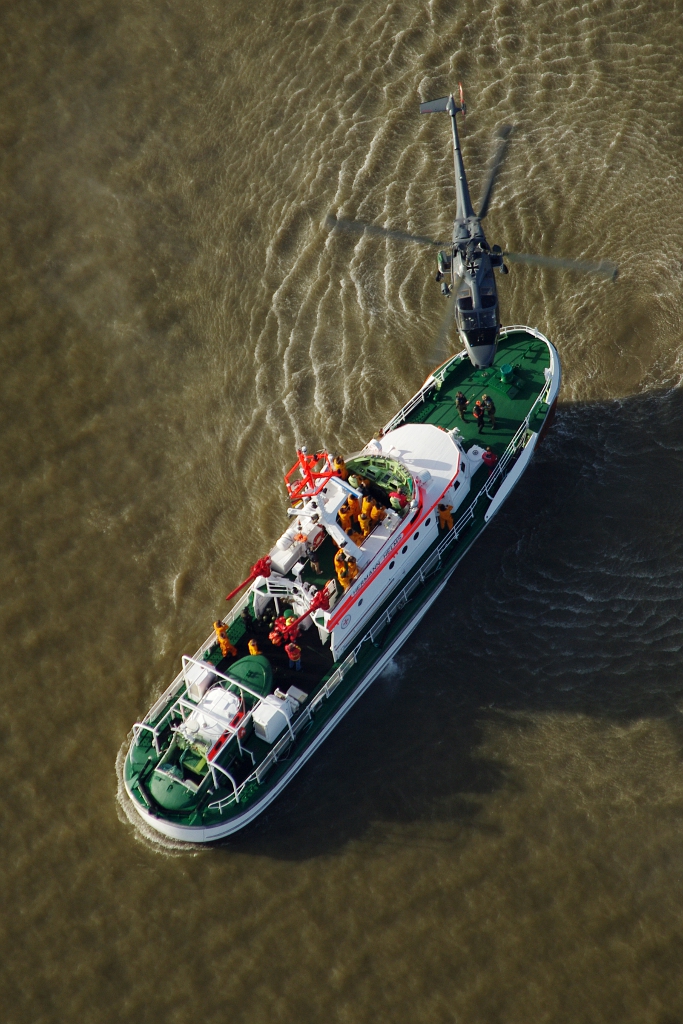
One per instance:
[(340, 467), (490, 459), (343, 575), (478, 413), (445, 517), (293, 652), (339, 556), (345, 517), (377, 514), (253, 647), (354, 508), (491, 410), (461, 404), (223, 640)]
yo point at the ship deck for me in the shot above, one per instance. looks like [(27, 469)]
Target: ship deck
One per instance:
[(529, 358)]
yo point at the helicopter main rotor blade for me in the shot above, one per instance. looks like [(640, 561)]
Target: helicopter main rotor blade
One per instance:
[(360, 226), (439, 351), (503, 135), (604, 267)]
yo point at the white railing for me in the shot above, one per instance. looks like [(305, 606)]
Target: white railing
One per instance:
[(433, 561), (296, 727), (430, 565), (179, 680), (428, 386)]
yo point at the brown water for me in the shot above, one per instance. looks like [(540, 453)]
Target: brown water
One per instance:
[(495, 833)]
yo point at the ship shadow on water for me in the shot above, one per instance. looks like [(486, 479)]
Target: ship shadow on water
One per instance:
[(570, 604)]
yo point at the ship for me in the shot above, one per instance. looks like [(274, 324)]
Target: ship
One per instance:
[(324, 612)]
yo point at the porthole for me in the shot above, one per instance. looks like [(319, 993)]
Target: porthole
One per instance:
[(403, 550), (416, 535), (392, 564), (428, 522), (360, 602)]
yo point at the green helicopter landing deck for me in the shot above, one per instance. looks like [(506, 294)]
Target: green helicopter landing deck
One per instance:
[(527, 356)]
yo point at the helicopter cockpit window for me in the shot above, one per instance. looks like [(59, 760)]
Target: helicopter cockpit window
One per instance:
[(465, 302), (475, 319), (486, 337), (488, 300)]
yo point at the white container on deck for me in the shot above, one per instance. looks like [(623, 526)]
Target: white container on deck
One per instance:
[(271, 717)]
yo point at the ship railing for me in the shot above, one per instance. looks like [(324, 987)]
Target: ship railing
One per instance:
[(302, 720), (518, 442), (527, 330), (433, 562), (435, 379), (179, 680)]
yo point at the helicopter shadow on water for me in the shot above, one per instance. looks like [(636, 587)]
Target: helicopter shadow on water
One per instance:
[(570, 603)]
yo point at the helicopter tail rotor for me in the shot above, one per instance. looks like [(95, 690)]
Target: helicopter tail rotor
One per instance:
[(443, 105)]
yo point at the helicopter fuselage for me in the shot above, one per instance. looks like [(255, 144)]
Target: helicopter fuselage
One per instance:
[(471, 263)]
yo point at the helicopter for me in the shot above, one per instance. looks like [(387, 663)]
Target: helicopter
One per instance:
[(469, 261)]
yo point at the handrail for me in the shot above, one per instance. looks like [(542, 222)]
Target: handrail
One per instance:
[(421, 395), (427, 566), (296, 726), (177, 683)]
